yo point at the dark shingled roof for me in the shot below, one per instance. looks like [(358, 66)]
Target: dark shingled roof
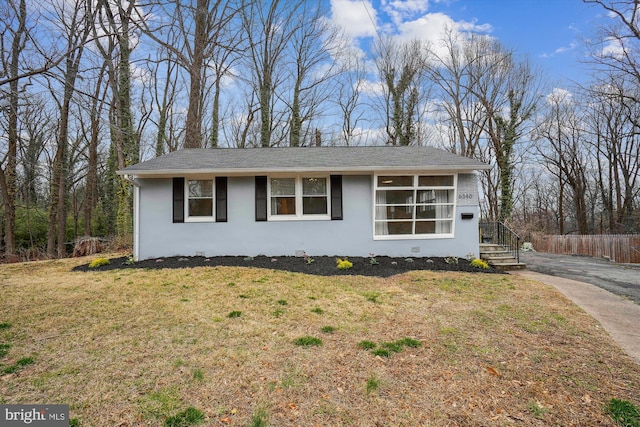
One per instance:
[(301, 159)]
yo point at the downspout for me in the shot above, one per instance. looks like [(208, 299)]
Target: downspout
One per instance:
[(136, 216)]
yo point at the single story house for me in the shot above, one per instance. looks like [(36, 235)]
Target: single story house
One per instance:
[(342, 201)]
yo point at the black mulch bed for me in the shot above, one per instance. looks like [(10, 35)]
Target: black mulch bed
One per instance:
[(321, 265)]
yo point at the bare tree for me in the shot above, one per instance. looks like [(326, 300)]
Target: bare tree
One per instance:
[(451, 77), (37, 130), (199, 32), (615, 52), (565, 156), (112, 30), (401, 68), (616, 141), (349, 88), (96, 105), (269, 27), (486, 95), (74, 28), (314, 43), (13, 39)]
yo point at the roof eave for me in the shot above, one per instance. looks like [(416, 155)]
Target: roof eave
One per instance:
[(265, 171)]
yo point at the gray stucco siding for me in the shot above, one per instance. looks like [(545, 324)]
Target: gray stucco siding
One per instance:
[(241, 235)]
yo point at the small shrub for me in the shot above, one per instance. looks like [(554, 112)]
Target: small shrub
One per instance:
[(343, 264), (366, 345), (189, 416), (307, 341), (625, 413), (328, 329), (479, 263), (234, 314), (372, 259), (130, 260), (99, 262), (453, 260), (5, 325)]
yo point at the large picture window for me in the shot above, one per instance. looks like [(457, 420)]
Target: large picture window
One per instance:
[(200, 200), (414, 205), (298, 197)]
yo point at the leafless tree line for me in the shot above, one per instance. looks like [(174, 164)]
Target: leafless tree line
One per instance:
[(90, 86)]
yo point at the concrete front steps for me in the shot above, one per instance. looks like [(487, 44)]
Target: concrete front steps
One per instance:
[(500, 258)]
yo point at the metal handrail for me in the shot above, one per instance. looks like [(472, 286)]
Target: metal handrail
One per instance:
[(499, 233)]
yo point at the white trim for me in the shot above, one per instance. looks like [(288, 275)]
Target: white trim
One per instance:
[(136, 222), (390, 170), (415, 188), (298, 195), (187, 217)]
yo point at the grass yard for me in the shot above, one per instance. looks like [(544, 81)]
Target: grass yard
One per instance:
[(235, 346)]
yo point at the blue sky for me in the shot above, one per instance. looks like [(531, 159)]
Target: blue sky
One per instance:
[(550, 32)]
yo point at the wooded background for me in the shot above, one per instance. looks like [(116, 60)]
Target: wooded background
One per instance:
[(90, 86)]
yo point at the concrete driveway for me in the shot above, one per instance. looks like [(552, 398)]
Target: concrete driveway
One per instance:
[(620, 279), (605, 290)]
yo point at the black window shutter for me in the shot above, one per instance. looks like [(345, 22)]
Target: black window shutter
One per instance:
[(261, 198), (178, 200), (221, 199), (336, 197)]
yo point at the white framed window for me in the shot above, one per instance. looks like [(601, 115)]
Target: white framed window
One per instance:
[(412, 206), (200, 200), (298, 197)]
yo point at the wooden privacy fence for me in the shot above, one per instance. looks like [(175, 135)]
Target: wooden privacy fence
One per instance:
[(620, 248)]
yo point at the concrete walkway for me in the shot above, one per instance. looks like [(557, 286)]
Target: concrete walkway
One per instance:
[(619, 317)]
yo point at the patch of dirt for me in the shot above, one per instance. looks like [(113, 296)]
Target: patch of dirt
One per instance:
[(321, 266)]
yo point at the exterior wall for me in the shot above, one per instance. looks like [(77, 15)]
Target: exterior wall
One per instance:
[(242, 235)]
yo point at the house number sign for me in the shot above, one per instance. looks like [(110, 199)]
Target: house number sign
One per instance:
[(467, 190)]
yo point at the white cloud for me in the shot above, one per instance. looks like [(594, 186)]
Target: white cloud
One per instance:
[(433, 26), (356, 18), (371, 88), (560, 50), (612, 48), (559, 96), (400, 10), (403, 20)]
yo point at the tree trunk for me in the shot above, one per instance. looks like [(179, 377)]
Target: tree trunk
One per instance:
[(215, 115), (193, 132), (8, 174)]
